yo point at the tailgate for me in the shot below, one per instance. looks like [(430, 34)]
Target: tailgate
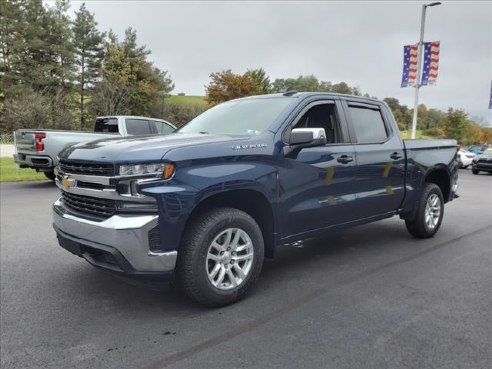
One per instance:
[(25, 141)]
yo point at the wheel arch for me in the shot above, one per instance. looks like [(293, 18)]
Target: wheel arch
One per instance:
[(252, 202), (440, 176)]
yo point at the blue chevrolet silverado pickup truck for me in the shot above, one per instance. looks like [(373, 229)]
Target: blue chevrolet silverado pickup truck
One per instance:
[(205, 205)]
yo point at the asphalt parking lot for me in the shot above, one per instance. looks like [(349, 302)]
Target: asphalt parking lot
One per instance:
[(371, 297)]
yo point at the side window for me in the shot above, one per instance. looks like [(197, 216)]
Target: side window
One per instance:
[(106, 125), (161, 127), (137, 127), (368, 124), (322, 116)]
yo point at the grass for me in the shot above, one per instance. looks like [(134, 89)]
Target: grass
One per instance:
[(10, 172), (186, 100)]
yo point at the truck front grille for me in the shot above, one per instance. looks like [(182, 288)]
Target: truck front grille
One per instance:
[(90, 205), (91, 169)]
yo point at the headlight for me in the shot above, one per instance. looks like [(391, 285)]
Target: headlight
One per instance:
[(166, 170)]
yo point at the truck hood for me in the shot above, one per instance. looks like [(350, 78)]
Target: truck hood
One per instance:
[(139, 148)]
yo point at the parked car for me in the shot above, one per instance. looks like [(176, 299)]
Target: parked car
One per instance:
[(477, 149), (465, 158), (482, 162), (207, 203), (37, 149)]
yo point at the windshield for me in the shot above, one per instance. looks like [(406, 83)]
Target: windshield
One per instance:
[(242, 117)]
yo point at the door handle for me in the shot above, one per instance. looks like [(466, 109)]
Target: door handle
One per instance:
[(344, 159), (395, 156)]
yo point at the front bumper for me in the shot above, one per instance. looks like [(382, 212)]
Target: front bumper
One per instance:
[(118, 244), (481, 165)]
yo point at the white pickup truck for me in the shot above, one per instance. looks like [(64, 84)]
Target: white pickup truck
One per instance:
[(38, 149)]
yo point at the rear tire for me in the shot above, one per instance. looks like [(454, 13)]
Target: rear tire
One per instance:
[(221, 257), (430, 211), (50, 175), (475, 171)]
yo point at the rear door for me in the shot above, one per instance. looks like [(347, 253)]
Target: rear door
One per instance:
[(380, 158)]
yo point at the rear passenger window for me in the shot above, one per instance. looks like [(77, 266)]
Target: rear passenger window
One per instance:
[(137, 127), (368, 125), (161, 127), (106, 125)]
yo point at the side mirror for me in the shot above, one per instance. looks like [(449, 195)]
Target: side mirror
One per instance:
[(304, 137), (307, 137)]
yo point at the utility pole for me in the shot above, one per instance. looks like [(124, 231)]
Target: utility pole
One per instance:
[(419, 68)]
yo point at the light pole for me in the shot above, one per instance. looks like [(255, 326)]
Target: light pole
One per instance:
[(419, 62), (163, 95)]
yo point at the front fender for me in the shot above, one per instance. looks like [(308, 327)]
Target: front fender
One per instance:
[(179, 197)]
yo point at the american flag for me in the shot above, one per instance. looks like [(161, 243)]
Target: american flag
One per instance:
[(431, 63), (410, 53), (490, 101)]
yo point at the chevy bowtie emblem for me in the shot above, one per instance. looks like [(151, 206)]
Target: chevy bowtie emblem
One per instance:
[(68, 182)]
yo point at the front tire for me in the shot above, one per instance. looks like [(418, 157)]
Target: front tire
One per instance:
[(475, 171), (221, 257), (50, 175), (430, 211)]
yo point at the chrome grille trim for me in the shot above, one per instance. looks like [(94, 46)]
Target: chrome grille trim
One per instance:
[(91, 169)]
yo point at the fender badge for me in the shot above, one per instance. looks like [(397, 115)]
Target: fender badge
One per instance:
[(250, 146), (68, 182)]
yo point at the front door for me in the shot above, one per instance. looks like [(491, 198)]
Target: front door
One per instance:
[(316, 184)]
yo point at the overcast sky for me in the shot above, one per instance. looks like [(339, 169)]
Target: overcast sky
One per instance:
[(359, 42)]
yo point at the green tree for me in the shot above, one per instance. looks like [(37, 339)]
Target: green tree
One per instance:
[(150, 83), (260, 77), (435, 118), (311, 83), (9, 30), (25, 58), (60, 47), (344, 88), (89, 52), (130, 83), (301, 84), (112, 95), (456, 125)]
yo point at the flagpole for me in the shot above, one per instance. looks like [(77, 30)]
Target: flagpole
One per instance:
[(419, 69)]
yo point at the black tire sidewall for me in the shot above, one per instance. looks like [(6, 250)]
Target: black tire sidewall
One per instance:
[(50, 175), (418, 227), (434, 189), (226, 218)]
